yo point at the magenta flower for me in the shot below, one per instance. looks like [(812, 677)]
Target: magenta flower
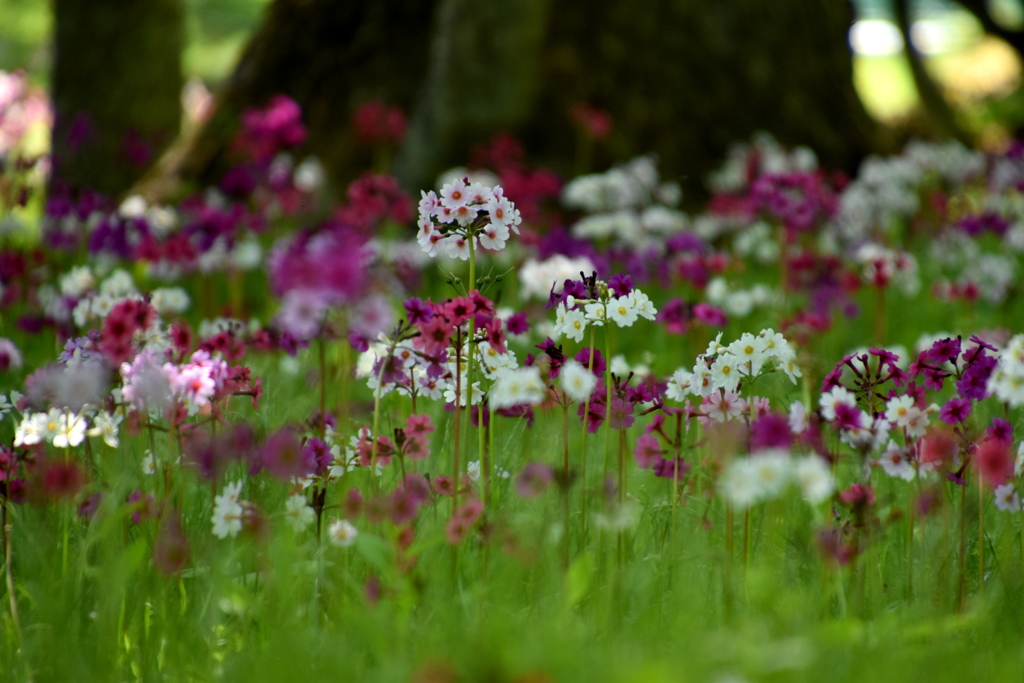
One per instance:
[(284, 456), (647, 451), (955, 411), (534, 479)]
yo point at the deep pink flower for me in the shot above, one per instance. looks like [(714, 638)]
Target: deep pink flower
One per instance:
[(994, 462)]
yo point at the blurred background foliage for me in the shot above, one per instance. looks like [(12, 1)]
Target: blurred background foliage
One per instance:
[(966, 46)]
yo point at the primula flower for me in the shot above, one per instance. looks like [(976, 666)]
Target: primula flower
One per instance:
[(577, 383), (994, 462), (534, 479), (342, 534)]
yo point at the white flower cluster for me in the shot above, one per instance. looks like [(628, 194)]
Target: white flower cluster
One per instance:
[(772, 158), (885, 190), (517, 387), (1006, 382), (883, 265), (737, 302), (537, 277), (465, 213), (627, 204), (756, 242), (724, 367), (228, 511), (766, 475), (573, 316)]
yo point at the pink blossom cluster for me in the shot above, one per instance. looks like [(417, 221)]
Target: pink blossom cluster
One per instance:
[(465, 214)]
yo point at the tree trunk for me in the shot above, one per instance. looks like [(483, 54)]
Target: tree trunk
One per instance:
[(683, 78), (328, 55), (116, 90)]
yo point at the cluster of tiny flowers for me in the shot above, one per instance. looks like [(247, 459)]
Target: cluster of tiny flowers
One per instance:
[(617, 302), (150, 384), (465, 213), (766, 475), (1007, 379), (228, 511), (720, 369), (883, 266)]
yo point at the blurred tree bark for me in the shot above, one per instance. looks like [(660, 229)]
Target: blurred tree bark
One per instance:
[(116, 90), (936, 107), (683, 78)]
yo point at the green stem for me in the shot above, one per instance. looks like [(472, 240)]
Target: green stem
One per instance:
[(583, 457)]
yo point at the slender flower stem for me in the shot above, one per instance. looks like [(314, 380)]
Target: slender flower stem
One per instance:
[(583, 457), (565, 480), (8, 570), (962, 557), (458, 422), (981, 535), (375, 438), (322, 427)]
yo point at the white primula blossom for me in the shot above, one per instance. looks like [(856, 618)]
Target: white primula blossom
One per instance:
[(522, 386), (815, 479), (895, 460), (1007, 379), (679, 385), (622, 311), (71, 431), (228, 511), (341, 533), (576, 381), (298, 512), (1007, 498)]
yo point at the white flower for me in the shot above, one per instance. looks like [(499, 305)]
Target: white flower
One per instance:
[(771, 471), (298, 512), (831, 399), (228, 511), (642, 305), (341, 533), (595, 313), (574, 325), (77, 282), (896, 463), (521, 386), (741, 485), (70, 432), (169, 300), (1007, 499), (797, 417), (621, 311), (678, 385), (725, 373), (105, 425), (900, 410), (149, 465), (815, 479), (750, 352), (576, 381)]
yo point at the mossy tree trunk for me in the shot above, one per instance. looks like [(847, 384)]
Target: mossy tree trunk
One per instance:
[(116, 90)]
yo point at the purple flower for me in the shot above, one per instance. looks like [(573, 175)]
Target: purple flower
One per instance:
[(417, 311), (667, 468), (647, 451), (955, 411), (534, 479), (1001, 430), (284, 457), (973, 384), (621, 284), (517, 324), (584, 359), (770, 431), (621, 414)]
